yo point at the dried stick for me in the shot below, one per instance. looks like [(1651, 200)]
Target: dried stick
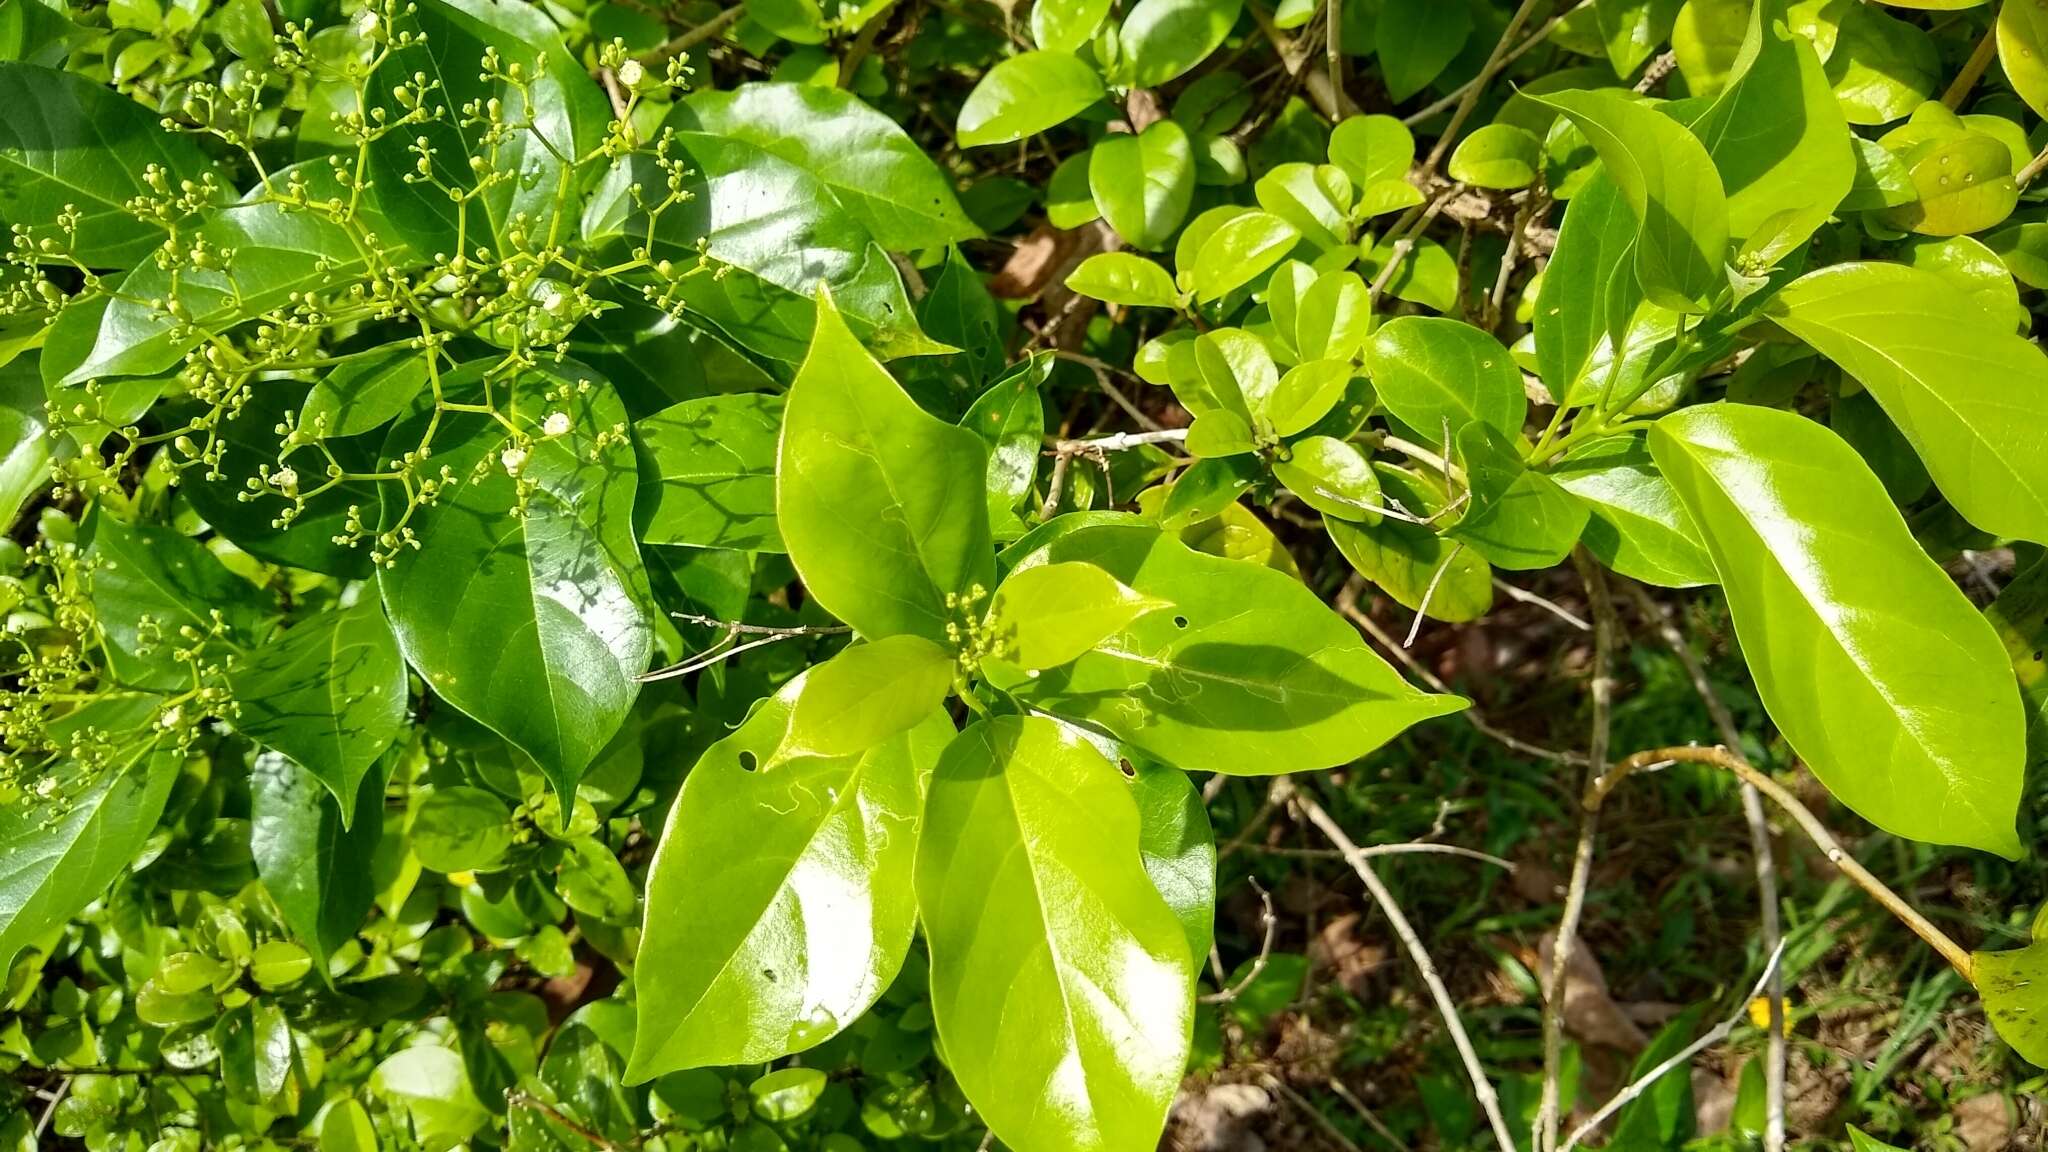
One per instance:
[(1760, 850), (1489, 1101), (1409, 848), (1372, 1120), (694, 36), (1524, 596), (519, 1099), (1973, 69), (1679, 1059), (1258, 962), (1582, 854)]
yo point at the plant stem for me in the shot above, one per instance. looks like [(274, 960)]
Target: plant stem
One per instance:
[(1514, 54), (1973, 69), (1494, 62)]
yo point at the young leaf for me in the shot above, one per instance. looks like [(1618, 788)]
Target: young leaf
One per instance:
[(1638, 527), (1056, 965), (1431, 371), (70, 143), (779, 903), (1872, 663), (315, 856), (1124, 278), (1144, 183), (707, 473), (1332, 477), (865, 695), (1161, 39), (1671, 186), (2023, 52), (1249, 673), (881, 505), (1518, 518), (1067, 25), (329, 693), (871, 165), (1242, 250), (524, 602), (1010, 419), (1026, 94), (1632, 29), (1050, 615), (1969, 394), (1372, 149), (1498, 156), (1589, 289), (1411, 562)]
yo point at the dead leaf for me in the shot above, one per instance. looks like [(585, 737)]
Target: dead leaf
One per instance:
[(1590, 1013)]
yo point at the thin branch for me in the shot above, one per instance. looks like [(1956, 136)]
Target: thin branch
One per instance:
[(1678, 1059), (762, 629), (1054, 483), (1103, 371), (1335, 1134), (1973, 69), (1408, 848), (1957, 956), (519, 1099), (1659, 68), (50, 1112), (863, 43), (1760, 850), (693, 37), (1371, 1119), (1524, 596), (1495, 61), (1429, 593), (1397, 254), (1258, 962), (1118, 442), (1602, 689), (2033, 169), (718, 653), (1489, 1101), (1516, 53)]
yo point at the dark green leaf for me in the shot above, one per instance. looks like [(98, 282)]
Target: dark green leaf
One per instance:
[(314, 856), (149, 587), (329, 693), (1404, 559), (1432, 372), (707, 473)]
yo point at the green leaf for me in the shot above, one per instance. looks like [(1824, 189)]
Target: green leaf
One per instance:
[(787, 1093), (1124, 278), (1969, 394), (70, 144), (314, 855), (1056, 965), (1026, 94), (1872, 663), (1670, 184), (881, 505), (2020, 617), (1963, 183), (1632, 30), (707, 473), (871, 165), (1588, 285), (779, 903), (1429, 276), (241, 499), (1243, 249), (2023, 52), (1517, 518), (1067, 25), (1432, 371), (1860, 1142), (1054, 613), (1638, 527), (1161, 39), (865, 695), (1205, 488), (275, 254), (781, 230), (365, 393), (1249, 673), (564, 121), (346, 1127), (1308, 393), (1010, 419), (1068, 202), (1372, 149), (523, 601), (1179, 849), (61, 849), (461, 829), (1417, 40), (149, 585), (1784, 171), (25, 440), (1144, 183), (1882, 67), (329, 693), (960, 311), (2014, 985), (1498, 156), (1332, 477), (427, 1084), (590, 880), (1405, 560)]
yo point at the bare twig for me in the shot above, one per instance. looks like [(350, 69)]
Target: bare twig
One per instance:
[(1103, 371), (1429, 593), (1482, 1088), (1760, 849), (1335, 1134), (1118, 442), (1397, 253), (1055, 483), (1523, 595), (1494, 62), (520, 1099), (1973, 69), (863, 43), (1272, 924), (1679, 1059), (1602, 689), (694, 36), (1371, 1119), (1407, 848), (50, 1112), (718, 653), (2033, 169), (1659, 68), (1459, 93), (737, 627)]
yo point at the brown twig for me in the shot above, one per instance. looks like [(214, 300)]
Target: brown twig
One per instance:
[(516, 1098), (1371, 1119), (739, 628), (1461, 91), (693, 37), (1272, 924), (1495, 61), (1397, 253), (1973, 69)]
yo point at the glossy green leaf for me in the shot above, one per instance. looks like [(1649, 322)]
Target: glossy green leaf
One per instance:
[(707, 473), (346, 1127), (1161, 39), (1333, 319), (2020, 617), (1124, 278), (329, 693), (1144, 183), (1179, 849), (1879, 672), (1404, 559), (1311, 198), (428, 1085), (59, 850), (567, 114), (881, 505), (72, 144), (1969, 393), (524, 602), (1670, 184), (241, 497), (2023, 52), (1882, 67), (1010, 419), (2014, 985), (1026, 94), (1248, 673), (1519, 519), (1784, 172), (149, 585), (1498, 156), (1068, 202), (1638, 527), (1433, 372), (871, 165), (1588, 284), (1429, 276), (1054, 613), (779, 902), (315, 857), (25, 440), (1332, 477), (1633, 29), (1417, 40), (1962, 183), (1205, 488), (865, 695), (1372, 149), (1860, 1141), (1056, 965), (1067, 25), (1306, 394), (365, 393), (1243, 249), (461, 829), (960, 311)]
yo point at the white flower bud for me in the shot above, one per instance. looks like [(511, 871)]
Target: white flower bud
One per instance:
[(513, 459), (557, 424)]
